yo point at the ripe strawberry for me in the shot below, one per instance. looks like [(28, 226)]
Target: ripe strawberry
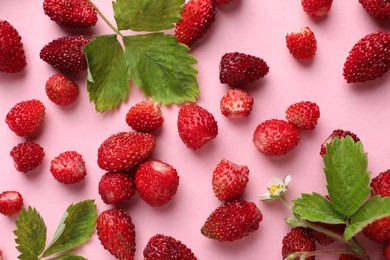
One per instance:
[(166, 247), (12, 57), (116, 233), (68, 167), (70, 13), (11, 203), (145, 116), (196, 126), (302, 44), (156, 182), (236, 103), (381, 184), (116, 187), (229, 180), (26, 117), (386, 250), (298, 240), (233, 220), (316, 8), (61, 90), (239, 69), (349, 257), (27, 156), (339, 133), (123, 150), (275, 137), (196, 18), (369, 58), (379, 9), (304, 115), (66, 53)]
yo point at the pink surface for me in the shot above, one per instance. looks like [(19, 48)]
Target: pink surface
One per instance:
[(256, 27)]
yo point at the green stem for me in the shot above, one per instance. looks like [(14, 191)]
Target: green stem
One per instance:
[(304, 255), (285, 202)]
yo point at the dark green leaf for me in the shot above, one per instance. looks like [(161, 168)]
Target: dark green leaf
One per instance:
[(68, 256)]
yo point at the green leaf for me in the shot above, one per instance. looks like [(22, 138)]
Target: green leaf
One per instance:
[(30, 234), (68, 256), (346, 175), (147, 15), (108, 79), (374, 209), (162, 67), (75, 228), (316, 208)]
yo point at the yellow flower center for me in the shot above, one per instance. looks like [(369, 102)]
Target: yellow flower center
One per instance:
[(274, 188)]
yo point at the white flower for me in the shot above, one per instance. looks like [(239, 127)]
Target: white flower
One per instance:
[(276, 188)]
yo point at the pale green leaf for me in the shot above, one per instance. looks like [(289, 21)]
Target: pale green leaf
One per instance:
[(68, 256)]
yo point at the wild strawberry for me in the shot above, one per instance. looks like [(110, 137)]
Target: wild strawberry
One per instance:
[(304, 115), (70, 13), (124, 150), (145, 116), (381, 184), (11, 203), (349, 257), (239, 69), (386, 250), (166, 247), (275, 137), (298, 240), (369, 58), (116, 187), (26, 117), (116, 233), (61, 90), (302, 44), (229, 180), (233, 220), (66, 53), (196, 126), (196, 18), (156, 182), (339, 133), (236, 103), (68, 167), (316, 8), (379, 9), (12, 57), (27, 156)]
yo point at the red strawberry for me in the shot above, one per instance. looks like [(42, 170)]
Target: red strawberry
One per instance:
[(302, 44), (196, 126), (239, 69), (229, 180), (162, 247), (381, 184), (68, 167), (145, 116), (26, 117), (116, 233), (11, 203), (196, 19), (236, 103), (156, 182), (12, 57), (116, 187), (349, 257), (124, 150), (233, 220), (70, 13), (304, 115), (66, 53), (316, 8), (386, 250), (61, 90), (379, 9), (369, 58), (298, 240), (27, 156), (339, 133), (275, 137)]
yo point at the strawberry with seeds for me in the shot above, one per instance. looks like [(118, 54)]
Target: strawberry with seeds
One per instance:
[(12, 57), (379, 9), (236, 103), (339, 133), (61, 90), (304, 115), (27, 156), (116, 187), (145, 116), (316, 8), (298, 240), (11, 203), (302, 44), (68, 167)]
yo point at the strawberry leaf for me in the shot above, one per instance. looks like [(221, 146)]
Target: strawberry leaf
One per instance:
[(146, 15), (68, 256), (162, 67)]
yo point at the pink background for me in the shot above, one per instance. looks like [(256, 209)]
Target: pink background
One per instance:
[(256, 27)]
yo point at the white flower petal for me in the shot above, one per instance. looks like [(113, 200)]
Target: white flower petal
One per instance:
[(287, 180), (265, 196), (276, 181)]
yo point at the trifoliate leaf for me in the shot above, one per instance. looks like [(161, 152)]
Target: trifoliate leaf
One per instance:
[(75, 228), (68, 256), (374, 209), (162, 67), (108, 79), (146, 15), (316, 208), (346, 175), (30, 234)]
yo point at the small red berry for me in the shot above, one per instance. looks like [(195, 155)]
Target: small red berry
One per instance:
[(316, 8), (68, 167), (145, 116), (61, 90), (339, 133), (302, 44), (116, 187), (304, 115), (236, 103), (11, 203), (298, 240), (27, 156), (379, 9), (12, 57)]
